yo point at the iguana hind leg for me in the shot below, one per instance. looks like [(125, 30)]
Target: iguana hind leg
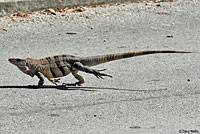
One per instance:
[(97, 73), (78, 77)]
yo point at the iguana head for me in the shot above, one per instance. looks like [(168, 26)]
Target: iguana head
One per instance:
[(17, 62), (22, 65)]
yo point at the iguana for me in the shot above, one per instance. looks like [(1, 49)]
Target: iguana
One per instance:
[(54, 67)]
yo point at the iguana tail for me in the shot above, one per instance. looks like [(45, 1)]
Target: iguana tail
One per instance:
[(95, 60)]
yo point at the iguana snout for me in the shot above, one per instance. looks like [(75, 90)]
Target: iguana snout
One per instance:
[(18, 62)]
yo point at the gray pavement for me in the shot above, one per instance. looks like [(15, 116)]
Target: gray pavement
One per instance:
[(152, 94)]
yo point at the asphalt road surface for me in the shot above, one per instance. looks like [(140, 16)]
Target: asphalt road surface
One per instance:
[(150, 94)]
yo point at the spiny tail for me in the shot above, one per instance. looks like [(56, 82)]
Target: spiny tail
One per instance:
[(95, 60)]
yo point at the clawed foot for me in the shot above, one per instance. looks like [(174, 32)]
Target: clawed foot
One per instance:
[(56, 81), (100, 75)]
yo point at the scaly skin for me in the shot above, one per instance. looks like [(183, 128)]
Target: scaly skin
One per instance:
[(54, 67)]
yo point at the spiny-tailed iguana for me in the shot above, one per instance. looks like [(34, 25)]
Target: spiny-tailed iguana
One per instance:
[(54, 67)]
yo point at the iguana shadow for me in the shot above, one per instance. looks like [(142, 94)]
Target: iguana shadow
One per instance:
[(61, 87), (46, 87)]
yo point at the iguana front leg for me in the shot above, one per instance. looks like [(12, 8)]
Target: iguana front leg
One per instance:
[(41, 81), (78, 77)]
